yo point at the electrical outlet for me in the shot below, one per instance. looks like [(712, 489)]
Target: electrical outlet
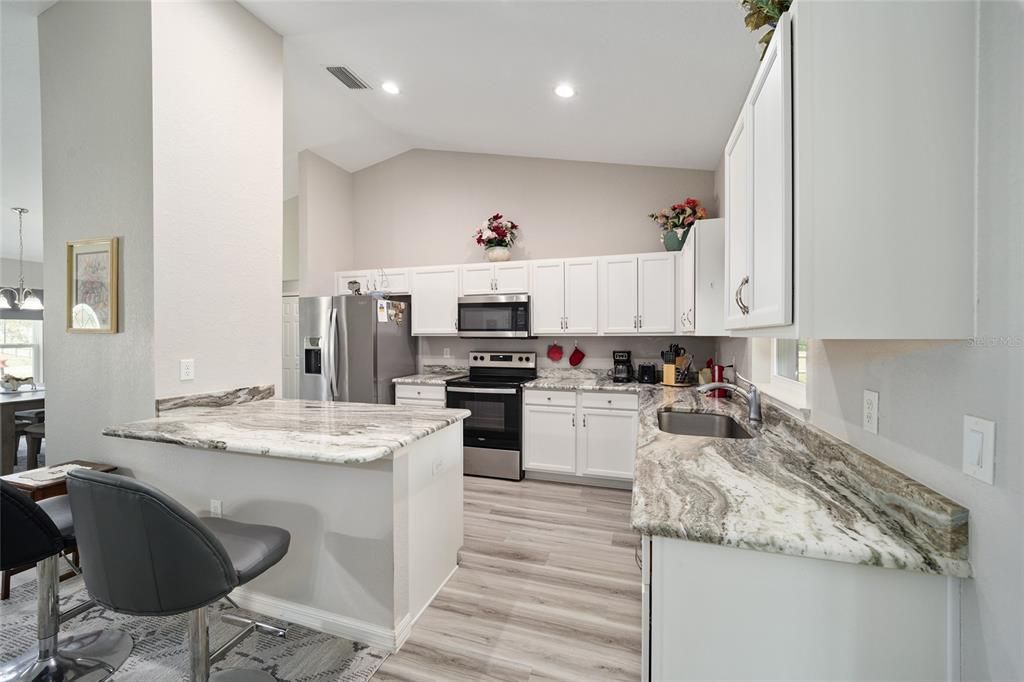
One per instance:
[(215, 509), (187, 370), (870, 416), (447, 352), (979, 448)]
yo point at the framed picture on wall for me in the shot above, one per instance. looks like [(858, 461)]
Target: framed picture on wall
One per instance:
[(92, 286)]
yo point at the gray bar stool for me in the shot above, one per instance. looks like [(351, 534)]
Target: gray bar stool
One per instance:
[(39, 532), (143, 553)]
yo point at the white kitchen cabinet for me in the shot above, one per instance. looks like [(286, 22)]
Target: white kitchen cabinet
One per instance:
[(495, 278), (607, 442), (809, 149), (713, 612), (547, 301), (589, 434), (760, 168), (549, 438), (391, 280), (700, 276), (656, 277), (636, 294), (435, 296), (564, 297), (617, 289)]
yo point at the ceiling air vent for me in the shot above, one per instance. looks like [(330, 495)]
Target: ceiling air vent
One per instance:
[(351, 81)]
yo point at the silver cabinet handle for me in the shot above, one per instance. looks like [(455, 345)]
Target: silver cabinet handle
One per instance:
[(574, 420), (641, 318), (634, 322), (584, 421), (744, 308)]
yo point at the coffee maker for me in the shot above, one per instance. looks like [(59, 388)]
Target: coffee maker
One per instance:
[(622, 367)]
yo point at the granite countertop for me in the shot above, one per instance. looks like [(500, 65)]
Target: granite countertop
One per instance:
[(338, 433), (433, 375), (791, 489), (562, 379)]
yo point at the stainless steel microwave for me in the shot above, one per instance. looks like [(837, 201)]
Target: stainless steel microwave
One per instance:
[(494, 316)]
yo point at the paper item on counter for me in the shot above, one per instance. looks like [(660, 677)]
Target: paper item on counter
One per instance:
[(50, 473)]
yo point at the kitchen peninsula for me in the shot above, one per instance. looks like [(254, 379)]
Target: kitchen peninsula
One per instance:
[(371, 494)]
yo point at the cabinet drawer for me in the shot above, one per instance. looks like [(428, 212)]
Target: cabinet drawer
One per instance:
[(560, 398), (415, 392), (611, 401)]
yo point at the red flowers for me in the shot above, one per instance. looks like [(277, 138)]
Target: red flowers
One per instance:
[(680, 216), (496, 231)]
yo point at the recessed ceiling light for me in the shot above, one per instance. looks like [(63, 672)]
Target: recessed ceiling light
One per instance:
[(390, 87), (565, 90)]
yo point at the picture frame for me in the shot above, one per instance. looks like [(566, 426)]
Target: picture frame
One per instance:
[(92, 286)]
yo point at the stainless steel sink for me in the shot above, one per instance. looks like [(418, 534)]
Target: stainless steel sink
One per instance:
[(700, 424)]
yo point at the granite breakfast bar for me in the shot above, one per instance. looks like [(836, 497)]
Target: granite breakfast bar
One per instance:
[(371, 494)]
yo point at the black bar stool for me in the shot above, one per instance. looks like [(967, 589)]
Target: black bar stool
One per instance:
[(39, 532), (143, 553)]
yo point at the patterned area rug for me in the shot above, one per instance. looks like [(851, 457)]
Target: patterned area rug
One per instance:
[(161, 646)]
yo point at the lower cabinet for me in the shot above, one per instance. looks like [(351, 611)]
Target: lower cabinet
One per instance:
[(586, 434)]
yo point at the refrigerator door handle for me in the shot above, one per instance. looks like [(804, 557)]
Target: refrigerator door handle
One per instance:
[(332, 366)]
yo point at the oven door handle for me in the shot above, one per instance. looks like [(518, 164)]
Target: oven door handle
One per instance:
[(503, 391)]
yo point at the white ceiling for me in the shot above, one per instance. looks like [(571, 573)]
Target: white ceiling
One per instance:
[(658, 83)]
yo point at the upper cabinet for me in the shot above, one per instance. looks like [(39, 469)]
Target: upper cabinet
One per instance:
[(758, 176), (435, 293), (564, 297), (636, 294), (848, 178), (495, 278), (392, 281), (700, 279)]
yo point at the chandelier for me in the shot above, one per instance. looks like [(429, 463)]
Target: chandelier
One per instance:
[(22, 298)]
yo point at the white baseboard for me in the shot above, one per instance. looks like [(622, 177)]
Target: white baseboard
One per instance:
[(317, 619)]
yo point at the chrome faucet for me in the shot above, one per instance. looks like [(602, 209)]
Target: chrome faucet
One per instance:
[(752, 395)]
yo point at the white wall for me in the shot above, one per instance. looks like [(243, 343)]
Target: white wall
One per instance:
[(217, 159), (21, 175), (290, 241), (326, 227), (98, 180), (420, 208), (9, 273), (926, 388)]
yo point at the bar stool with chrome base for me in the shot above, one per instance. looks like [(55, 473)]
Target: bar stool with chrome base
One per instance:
[(39, 532), (143, 553)]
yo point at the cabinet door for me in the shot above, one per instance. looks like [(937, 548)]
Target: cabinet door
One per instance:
[(477, 279), (656, 296), (435, 296), (341, 280), (549, 438), (737, 222), (511, 278), (393, 281), (607, 443), (686, 291), (617, 295), (547, 302), (580, 295), (771, 215)]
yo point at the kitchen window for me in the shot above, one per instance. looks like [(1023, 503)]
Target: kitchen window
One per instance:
[(21, 348), (779, 368)]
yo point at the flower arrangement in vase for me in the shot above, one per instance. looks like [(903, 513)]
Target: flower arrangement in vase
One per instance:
[(497, 235), (676, 222)]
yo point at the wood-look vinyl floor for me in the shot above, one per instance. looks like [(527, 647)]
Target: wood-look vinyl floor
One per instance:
[(547, 589)]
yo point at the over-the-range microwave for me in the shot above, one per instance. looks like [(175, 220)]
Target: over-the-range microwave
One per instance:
[(494, 316)]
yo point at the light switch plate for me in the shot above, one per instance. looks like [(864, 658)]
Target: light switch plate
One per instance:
[(187, 370), (870, 413), (979, 448)]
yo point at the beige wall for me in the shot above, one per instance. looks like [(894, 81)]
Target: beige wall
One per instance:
[(97, 180), (926, 388), (217, 166), (326, 239), (421, 207)]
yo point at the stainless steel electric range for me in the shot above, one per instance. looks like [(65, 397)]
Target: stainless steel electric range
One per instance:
[(493, 393)]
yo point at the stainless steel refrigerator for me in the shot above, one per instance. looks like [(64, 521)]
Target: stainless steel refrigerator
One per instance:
[(353, 346)]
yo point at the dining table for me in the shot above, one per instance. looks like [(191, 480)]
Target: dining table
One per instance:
[(11, 402)]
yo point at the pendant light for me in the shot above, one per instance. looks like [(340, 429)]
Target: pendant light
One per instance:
[(23, 299)]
